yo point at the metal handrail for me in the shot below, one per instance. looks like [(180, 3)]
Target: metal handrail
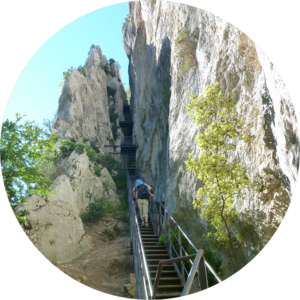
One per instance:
[(145, 289), (179, 232), (134, 229), (167, 262)]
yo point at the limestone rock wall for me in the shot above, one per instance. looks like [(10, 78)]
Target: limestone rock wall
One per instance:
[(83, 110), (165, 132), (54, 224)]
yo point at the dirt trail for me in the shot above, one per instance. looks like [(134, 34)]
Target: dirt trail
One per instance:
[(108, 264)]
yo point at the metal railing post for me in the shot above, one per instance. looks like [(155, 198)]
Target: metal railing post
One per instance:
[(192, 273), (169, 237), (180, 254), (159, 219)]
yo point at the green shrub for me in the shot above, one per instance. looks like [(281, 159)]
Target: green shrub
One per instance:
[(107, 231), (120, 181), (79, 148), (117, 229), (108, 162), (113, 120), (94, 147), (82, 70), (95, 209), (67, 147), (127, 20), (67, 74), (114, 130), (215, 263), (98, 160), (91, 154), (107, 71), (110, 91), (124, 201), (110, 207), (97, 171), (163, 240)]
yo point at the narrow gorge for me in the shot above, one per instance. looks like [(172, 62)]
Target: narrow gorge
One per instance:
[(161, 78)]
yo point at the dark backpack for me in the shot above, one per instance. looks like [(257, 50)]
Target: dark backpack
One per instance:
[(143, 191)]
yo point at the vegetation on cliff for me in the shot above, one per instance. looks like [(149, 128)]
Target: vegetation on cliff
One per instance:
[(127, 20), (185, 44), (100, 207), (224, 179)]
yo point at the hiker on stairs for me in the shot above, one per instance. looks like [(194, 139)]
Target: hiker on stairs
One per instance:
[(142, 193)]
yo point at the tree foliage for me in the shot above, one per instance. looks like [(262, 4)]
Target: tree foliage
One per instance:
[(22, 145), (224, 178)]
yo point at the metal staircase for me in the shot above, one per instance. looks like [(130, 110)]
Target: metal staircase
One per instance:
[(160, 269), (170, 284), (167, 270)]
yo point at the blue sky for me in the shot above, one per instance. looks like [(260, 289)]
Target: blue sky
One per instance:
[(36, 92)]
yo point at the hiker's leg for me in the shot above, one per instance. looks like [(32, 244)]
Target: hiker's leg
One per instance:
[(146, 210), (140, 206)]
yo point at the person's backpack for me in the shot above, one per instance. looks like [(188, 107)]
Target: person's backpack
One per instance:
[(143, 191)]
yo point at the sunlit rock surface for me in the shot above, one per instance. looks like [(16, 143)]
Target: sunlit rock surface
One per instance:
[(165, 132), (84, 103), (54, 224)]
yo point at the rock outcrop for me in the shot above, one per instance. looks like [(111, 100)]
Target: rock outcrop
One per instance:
[(84, 115), (166, 132), (83, 111)]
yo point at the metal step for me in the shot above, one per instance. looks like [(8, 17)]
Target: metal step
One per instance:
[(171, 288), (164, 273), (154, 267), (157, 251), (167, 295), (167, 281), (159, 256)]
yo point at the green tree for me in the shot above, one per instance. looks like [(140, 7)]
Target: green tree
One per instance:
[(22, 145), (224, 178)]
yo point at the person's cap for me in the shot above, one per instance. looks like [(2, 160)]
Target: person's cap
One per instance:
[(138, 181)]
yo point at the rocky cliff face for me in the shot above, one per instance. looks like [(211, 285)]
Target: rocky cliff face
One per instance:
[(85, 109), (165, 132)]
